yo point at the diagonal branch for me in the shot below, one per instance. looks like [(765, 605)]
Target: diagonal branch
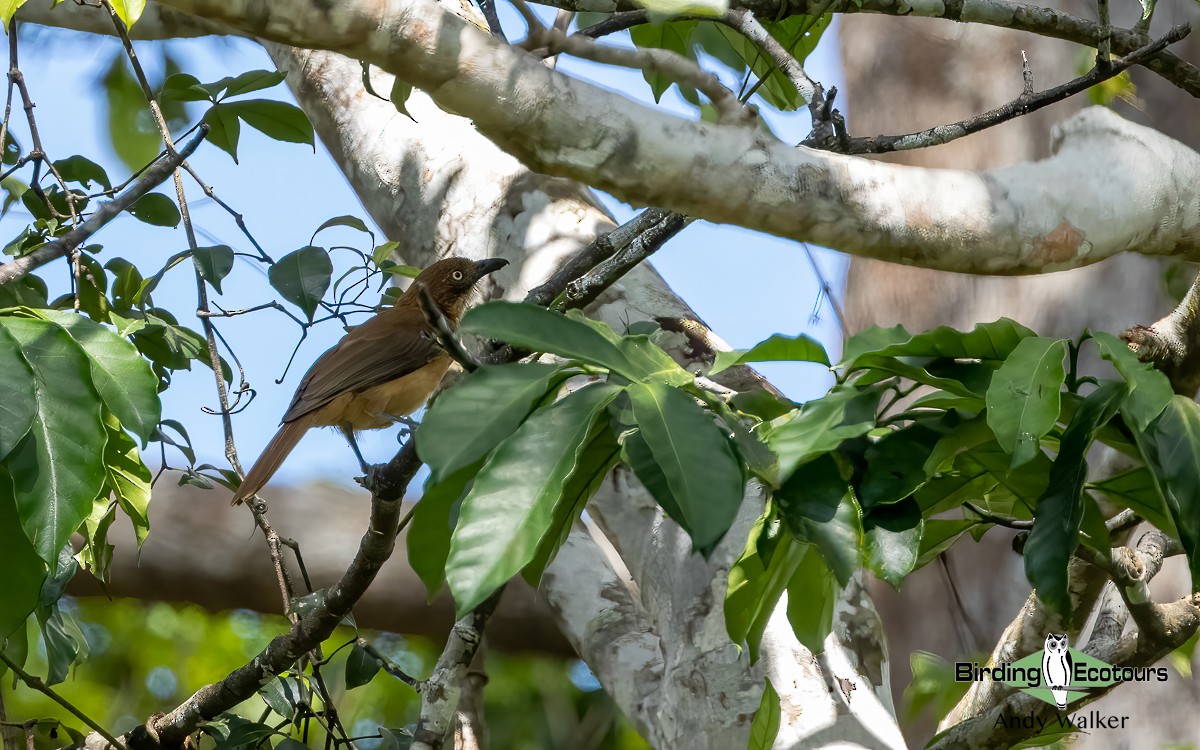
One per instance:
[(151, 178)]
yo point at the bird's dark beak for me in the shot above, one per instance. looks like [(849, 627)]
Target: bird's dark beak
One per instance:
[(488, 265)]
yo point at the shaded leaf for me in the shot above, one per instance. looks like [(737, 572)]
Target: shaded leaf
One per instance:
[(939, 534), (1149, 390), (812, 594), (433, 523), (17, 405), (818, 506), (1059, 512), (253, 80), (224, 129), (1171, 445), (215, 263), (22, 569), (361, 667), (511, 504), (765, 726), (343, 221), (695, 458), (302, 277), (896, 465), (82, 170), (1024, 399), (892, 540), (674, 36), (758, 578), (1135, 489), (821, 425), (156, 209), (278, 120)]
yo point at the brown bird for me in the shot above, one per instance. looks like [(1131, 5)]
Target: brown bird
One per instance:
[(379, 372)]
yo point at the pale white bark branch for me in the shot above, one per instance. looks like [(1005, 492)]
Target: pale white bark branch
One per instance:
[(1110, 187)]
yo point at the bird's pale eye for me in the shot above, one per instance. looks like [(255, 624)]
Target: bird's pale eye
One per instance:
[(457, 275)]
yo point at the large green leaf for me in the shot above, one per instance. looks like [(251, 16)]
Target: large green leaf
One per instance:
[(821, 425), (1149, 390), (17, 405), (758, 578), (819, 507), (812, 595), (156, 209), (1025, 396), (1059, 512), (896, 465), (938, 535), (695, 458), (467, 421), (892, 539), (511, 505), (253, 80), (599, 455), (433, 523), (57, 469), (778, 348), (798, 34), (224, 129), (538, 329), (119, 373), (278, 120), (1135, 489), (21, 570), (987, 341), (302, 277), (1171, 445)]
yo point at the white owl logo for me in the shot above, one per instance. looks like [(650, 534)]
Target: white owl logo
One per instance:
[(1056, 668)]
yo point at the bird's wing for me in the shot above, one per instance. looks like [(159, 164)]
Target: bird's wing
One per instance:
[(386, 347)]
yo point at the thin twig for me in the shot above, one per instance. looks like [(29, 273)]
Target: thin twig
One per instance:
[(388, 665), (744, 22), (1020, 106), (35, 683), (670, 64)]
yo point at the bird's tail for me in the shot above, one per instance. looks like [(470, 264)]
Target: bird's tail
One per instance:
[(272, 456)]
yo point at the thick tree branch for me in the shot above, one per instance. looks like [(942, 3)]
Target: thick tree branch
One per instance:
[(1173, 343), (1049, 215)]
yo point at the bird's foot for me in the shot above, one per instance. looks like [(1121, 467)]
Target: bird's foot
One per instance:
[(408, 425), (367, 480)]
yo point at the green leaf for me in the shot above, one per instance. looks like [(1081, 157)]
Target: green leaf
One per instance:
[(1135, 489), (821, 425), (128, 478), (21, 570), (674, 36), (798, 34), (892, 540), (385, 252), (939, 534), (253, 80), (56, 469), (511, 504), (765, 726), (695, 458), (129, 11), (156, 209), (278, 120), (396, 269), (121, 377), (1024, 399), (1171, 445), (17, 404), (777, 348), (896, 465), (224, 129), (1149, 390), (361, 667), (812, 594), (1059, 512), (343, 221), (538, 329), (758, 578), (7, 9), (82, 170), (819, 507), (183, 87), (398, 96), (302, 278), (467, 421), (277, 693), (986, 341), (215, 263), (63, 638), (433, 523), (599, 455)]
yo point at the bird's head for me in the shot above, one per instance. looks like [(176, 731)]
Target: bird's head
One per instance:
[(451, 281)]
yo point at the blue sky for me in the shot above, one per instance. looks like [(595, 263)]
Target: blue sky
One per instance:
[(743, 284)]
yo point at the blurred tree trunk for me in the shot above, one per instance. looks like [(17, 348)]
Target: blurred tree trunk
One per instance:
[(904, 76)]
